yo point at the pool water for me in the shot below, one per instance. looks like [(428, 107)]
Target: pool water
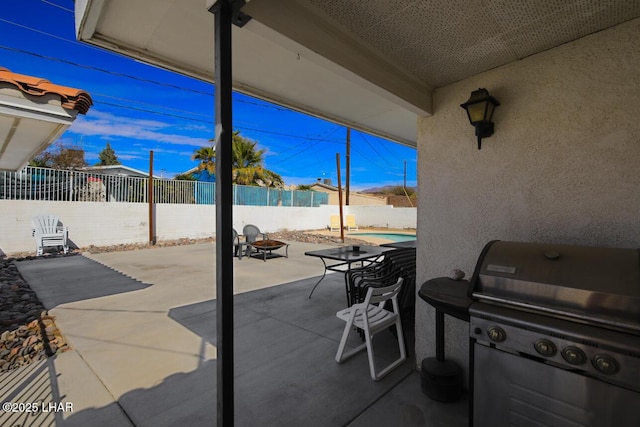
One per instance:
[(395, 237)]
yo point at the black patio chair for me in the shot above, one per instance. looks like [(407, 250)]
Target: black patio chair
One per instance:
[(394, 264)]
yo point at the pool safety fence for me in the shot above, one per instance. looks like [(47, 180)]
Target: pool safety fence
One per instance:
[(33, 183)]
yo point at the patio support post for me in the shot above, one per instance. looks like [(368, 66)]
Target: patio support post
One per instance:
[(223, 11)]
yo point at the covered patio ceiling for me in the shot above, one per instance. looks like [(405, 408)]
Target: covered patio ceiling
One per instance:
[(372, 65)]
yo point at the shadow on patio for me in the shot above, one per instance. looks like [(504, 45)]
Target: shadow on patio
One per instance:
[(285, 370), (78, 272), (285, 345)]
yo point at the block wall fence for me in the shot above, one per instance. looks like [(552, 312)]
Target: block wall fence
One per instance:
[(104, 223)]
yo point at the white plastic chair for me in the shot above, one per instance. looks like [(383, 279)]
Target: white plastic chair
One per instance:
[(48, 233), (371, 317)]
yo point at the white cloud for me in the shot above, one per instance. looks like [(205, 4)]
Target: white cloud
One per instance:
[(107, 126)]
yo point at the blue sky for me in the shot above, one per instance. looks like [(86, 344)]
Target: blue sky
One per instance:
[(131, 110)]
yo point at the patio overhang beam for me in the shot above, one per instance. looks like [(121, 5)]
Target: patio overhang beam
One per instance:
[(289, 20), (355, 87)]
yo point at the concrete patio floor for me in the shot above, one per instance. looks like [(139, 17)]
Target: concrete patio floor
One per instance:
[(143, 336)]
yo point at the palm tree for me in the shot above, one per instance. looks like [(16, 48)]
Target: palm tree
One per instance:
[(247, 163), (207, 158)]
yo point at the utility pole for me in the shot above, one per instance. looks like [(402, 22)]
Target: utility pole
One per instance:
[(405, 176), (340, 197), (348, 160)]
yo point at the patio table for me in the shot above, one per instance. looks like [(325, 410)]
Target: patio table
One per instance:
[(345, 256)]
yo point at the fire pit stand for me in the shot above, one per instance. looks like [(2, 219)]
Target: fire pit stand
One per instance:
[(265, 248)]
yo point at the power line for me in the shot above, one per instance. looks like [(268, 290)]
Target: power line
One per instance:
[(147, 103), (84, 45), (386, 147), (144, 110), (319, 140), (379, 165), (374, 150), (209, 122), (34, 30), (56, 5), (113, 73)]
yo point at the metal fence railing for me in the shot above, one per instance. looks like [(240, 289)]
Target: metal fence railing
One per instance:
[(32, 183)]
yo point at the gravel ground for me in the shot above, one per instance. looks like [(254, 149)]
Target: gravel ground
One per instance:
[(313, 237), (27, 332), (293, 236)]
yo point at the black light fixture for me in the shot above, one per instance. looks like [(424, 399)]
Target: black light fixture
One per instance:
[(480, 108)]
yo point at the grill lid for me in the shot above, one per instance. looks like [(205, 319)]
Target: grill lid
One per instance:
[(591, 283)]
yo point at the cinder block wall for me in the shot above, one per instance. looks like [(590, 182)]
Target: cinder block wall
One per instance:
[(104, 223)]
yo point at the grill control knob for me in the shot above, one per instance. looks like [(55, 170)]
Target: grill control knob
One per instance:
[(573, 355), (605, 364), (496, 334), (545, 347)]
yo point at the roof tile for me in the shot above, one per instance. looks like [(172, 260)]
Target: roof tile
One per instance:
[(72, 99)]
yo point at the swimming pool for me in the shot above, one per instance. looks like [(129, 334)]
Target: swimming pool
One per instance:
[(395, 237)]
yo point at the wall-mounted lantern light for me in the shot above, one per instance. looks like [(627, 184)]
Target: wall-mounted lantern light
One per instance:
[(480, 108)]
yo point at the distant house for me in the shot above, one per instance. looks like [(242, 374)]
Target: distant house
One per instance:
[(355, 198), (118, 170), (111, 189), (200, 175)]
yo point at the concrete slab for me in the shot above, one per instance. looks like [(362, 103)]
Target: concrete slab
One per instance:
[(153, 347), (407, 406), (126, 335), (194, 265), (60, 391)]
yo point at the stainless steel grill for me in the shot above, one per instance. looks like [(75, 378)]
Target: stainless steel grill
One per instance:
[(555, 336)]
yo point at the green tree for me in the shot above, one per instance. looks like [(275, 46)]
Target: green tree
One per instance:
[(399, 190), (108, 157), (39, 161), (247, 163), (61, 156), (184, 177)]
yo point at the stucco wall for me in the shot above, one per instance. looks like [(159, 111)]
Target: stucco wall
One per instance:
[(383, 216), (102, 224), (562, 166)]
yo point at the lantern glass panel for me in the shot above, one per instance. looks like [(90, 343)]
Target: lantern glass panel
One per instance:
[(490, 107), (477, 111)]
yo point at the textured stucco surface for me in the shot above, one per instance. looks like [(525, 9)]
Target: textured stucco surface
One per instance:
[(563, 164)]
